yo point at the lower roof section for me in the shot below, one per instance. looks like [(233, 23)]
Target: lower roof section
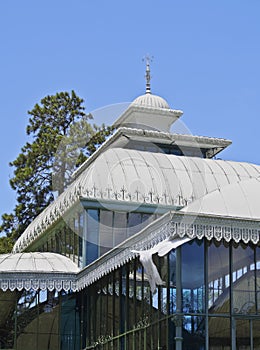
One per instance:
[(36, 271)]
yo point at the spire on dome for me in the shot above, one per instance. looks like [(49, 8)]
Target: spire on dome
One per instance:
[(148, 60)]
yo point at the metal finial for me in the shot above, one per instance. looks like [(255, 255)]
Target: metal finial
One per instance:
[(148, 60)]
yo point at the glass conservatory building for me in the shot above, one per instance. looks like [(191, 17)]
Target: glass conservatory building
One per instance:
[(154, 245)]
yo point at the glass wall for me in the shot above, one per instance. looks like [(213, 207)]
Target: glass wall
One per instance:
[(121, 313), (87, 235), (106, 229), (41, 320), (193, 294), (66, 239), (209, 300)]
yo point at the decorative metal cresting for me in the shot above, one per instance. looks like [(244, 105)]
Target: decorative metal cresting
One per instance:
[(136, 197)]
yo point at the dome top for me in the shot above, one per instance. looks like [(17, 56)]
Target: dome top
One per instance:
[(150, 100)]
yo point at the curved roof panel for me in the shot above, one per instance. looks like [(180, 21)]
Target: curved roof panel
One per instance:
[(239, 199), (37, 271), (143, 177), (37, 262)]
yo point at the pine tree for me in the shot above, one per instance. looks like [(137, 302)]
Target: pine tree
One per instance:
[(61, 139)]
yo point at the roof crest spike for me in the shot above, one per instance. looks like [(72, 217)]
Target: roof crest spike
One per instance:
[(148, 59)]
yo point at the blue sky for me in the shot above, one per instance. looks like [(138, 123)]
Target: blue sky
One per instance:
[(206, 62)]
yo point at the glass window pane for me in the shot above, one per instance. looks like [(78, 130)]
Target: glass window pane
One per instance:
[(243, 333), (218, 277), (193, 277), (194, 334), (172, 282), (219, 333), (243, 279), (79, 221), (48, 323), (256, 333), (119, 228), (134, 223), (106, 231), (27, 320), (70, 322), (92, 235), (257, 268), (8, 301)]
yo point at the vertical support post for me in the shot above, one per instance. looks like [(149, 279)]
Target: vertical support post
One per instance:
[(81, 318), (134, 319), (59, 320), (15, 320), (251, 335), (168, 300), (178, 320), (114, 315), (233, 333), (255, 278), (232, 320), (206, 291), (84, 239), (38, 321)]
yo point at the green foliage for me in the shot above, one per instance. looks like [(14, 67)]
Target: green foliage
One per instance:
[(99, 136), (61, 139), (6, 245)]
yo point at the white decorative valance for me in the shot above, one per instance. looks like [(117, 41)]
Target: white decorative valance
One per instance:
[(210, 226), (28, 281), (37, 271)]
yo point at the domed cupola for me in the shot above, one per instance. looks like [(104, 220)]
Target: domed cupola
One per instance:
[(150, 100), (148, 111)]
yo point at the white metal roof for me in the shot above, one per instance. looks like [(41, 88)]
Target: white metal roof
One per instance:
[(37, 271), (37, 262), (152, 136), (159, 178), (143, 177), (240, 199)]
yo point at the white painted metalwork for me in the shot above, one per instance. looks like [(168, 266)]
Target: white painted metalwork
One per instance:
[(177, 227), (144, 177), (37, 271), (172, 226), (240, 199)]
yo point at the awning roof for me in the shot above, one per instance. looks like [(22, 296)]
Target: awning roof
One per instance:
[(37, 271), (37, 262)]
